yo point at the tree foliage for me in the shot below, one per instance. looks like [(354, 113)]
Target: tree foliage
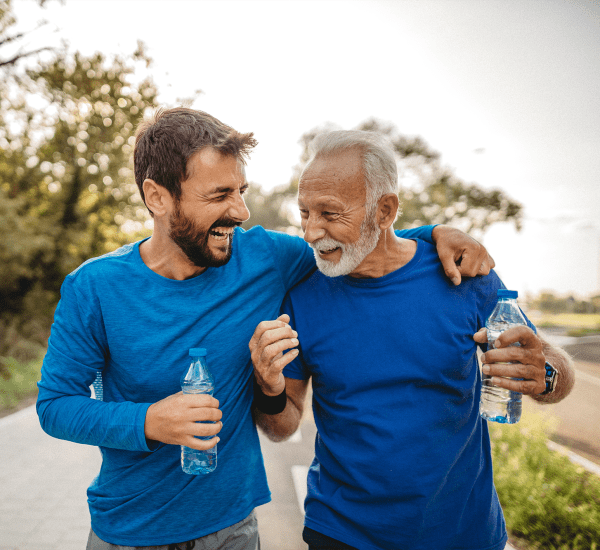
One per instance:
[(67, 191), (430, 192), (12, 48)]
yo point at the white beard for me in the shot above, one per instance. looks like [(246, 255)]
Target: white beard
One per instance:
[(352, 254)]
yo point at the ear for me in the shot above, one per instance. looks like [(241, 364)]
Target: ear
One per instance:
[(387, 210), (158, 199)]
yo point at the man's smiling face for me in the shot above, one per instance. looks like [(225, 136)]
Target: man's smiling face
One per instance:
[(336, 224), (210, 207)]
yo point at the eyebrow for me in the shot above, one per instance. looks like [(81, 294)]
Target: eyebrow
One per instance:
[(228, 188), (323, 203)]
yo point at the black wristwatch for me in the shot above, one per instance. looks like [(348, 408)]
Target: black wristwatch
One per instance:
[(551, 377)]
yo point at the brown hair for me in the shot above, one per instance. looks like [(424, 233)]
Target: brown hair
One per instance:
[(164, 145)]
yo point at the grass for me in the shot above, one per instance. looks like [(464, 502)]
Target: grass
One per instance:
[(583, 331), (18, 381), (549, 503), (567, 320)]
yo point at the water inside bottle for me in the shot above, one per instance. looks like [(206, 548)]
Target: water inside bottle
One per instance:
[(499, 404)]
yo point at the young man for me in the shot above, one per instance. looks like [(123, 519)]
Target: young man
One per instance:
[(402, 457), (133, 315)]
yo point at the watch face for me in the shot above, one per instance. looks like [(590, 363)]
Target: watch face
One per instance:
[(551, 376)]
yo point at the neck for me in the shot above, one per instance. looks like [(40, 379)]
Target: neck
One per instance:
[(164, 257), (390, 254)]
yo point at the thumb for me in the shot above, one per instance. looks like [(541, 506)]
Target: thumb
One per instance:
[(481, 336)]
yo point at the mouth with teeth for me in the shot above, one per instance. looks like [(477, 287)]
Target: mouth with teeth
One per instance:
[(327, 249), (221, 233), (326, 252)]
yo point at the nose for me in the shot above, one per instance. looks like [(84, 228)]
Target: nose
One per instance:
[(313, 231), (239, 211)]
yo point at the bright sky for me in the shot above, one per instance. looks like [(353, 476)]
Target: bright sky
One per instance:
[(507, 91)]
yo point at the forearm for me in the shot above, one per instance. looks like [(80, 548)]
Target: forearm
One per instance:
[(561, 361), (278, 427), (84, 420)]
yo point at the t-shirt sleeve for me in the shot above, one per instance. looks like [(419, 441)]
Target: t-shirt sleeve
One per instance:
[(293, 257), (76, 353), (424, 233), (297, 369)]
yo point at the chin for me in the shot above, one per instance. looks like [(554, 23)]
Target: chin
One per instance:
[(331, 269)]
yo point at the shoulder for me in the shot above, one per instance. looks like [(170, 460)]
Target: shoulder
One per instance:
[(311, 284), (259, 234), (102, 265)]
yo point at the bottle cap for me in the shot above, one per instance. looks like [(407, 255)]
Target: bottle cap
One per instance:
[(504, 293), (197, 352)]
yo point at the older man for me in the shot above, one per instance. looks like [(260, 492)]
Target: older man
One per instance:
[(402, 457), (132, 317)]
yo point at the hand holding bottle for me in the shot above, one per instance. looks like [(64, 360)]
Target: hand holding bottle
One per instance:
[(506, 362), (173, 420)]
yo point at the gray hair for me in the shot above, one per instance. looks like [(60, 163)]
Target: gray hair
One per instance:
[(378, 160)]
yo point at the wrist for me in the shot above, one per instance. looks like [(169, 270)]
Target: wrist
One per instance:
[(269, 404), (550, 379), (434, 233)]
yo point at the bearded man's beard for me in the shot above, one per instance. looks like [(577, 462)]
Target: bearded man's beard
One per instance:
[(194, 242)]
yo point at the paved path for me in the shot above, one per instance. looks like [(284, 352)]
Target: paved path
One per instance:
[(43, 484)]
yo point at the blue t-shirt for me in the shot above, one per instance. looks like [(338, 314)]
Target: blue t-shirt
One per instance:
[(118, 317), (402, 457)]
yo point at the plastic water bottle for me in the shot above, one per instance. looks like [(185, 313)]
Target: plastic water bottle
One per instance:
[(499, 404), (198, 379)]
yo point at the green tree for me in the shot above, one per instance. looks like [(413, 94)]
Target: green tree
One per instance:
[(430, 192), (66, 180)]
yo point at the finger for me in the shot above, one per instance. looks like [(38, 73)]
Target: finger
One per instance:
[(513, 354), (487, 264), (205, 429), (275, 335), (449, 264), (470, 264), (514, 370), (205, 415), (279, 363), (200, 400), (200, 444), (480, 336), (523, 335), (264, 326), (271, 352), (527, 387)]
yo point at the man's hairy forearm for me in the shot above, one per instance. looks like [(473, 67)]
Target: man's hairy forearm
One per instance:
[(561, 361), (278, 427)]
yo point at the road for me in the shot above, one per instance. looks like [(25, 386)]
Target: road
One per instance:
[(578, 415)]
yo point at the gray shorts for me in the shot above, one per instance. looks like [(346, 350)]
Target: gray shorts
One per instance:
[(241, 536)]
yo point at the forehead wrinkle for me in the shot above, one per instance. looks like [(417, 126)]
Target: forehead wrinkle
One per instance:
[(321, 201)]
